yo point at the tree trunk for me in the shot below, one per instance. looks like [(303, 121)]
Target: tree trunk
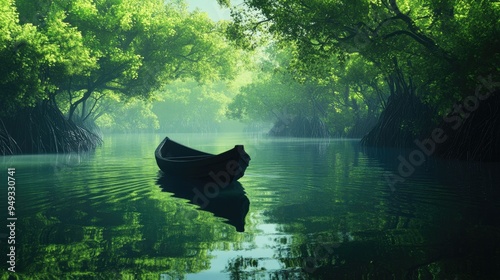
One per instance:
[(73, 106)]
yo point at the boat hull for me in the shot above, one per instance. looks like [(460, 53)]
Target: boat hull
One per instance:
[(178, 160)]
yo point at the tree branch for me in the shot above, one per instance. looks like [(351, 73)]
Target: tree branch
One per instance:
[(415, 33), (93, 106)]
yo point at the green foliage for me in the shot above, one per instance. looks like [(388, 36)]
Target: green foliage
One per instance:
[(442, 45), (273, 94), (224, 3), (74, 53), (20, 56), (347, 98), (364, 51), (189, 106), (114, 114)]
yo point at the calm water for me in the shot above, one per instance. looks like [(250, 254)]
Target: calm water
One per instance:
[(318, 209)]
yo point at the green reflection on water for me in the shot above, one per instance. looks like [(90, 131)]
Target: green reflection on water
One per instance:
[(104, 216), (319, 209)]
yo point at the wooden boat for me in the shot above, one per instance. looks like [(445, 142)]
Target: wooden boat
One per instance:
[(178, 160)]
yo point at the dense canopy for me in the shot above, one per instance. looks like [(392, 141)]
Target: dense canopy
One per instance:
[(78, 56), (389, 71)]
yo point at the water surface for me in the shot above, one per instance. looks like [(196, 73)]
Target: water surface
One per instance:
[(318, 209)]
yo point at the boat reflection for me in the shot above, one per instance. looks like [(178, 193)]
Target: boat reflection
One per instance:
[(226, 201)]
